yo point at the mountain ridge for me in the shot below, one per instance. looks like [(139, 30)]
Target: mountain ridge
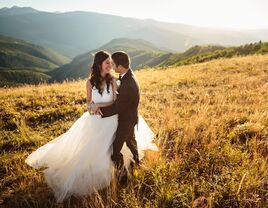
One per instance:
[(73, 33)]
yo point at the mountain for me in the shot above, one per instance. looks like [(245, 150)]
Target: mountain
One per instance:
[(17, 10), (140, 52), (193, 51), (74, 33), (19, 53), (23, 62)]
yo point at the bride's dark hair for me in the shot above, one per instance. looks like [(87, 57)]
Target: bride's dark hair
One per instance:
[(95, 77)]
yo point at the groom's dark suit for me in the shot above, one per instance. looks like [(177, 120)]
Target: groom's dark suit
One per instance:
[(126, 106)]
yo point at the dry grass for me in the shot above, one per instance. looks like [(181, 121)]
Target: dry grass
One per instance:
[(211, 124)]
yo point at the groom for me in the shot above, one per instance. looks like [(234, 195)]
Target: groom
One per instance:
[(126, 106)]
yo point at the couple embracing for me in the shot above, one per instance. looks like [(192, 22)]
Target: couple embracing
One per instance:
[(110, 136)]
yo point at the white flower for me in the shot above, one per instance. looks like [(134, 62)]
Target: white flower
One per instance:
[(118, 82)]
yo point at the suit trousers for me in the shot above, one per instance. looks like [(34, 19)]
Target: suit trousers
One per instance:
[(124, 133)]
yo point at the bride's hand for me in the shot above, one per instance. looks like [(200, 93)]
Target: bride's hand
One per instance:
[(92, 108)]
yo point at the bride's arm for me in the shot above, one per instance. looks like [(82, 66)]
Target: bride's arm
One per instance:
[(89, 92), (90, 104)]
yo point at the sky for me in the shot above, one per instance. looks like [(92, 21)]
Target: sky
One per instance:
[(228, 14)]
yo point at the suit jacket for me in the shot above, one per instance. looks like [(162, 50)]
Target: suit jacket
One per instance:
[(126, 104)]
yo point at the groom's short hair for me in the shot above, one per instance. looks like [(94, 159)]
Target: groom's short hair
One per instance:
[(121, 58)]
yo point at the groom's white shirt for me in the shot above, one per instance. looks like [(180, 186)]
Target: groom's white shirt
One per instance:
[(123, 74)]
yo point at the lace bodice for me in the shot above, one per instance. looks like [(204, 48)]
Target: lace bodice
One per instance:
[(105, 97)]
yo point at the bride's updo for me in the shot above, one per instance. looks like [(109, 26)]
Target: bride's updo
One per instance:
[(95, 77)]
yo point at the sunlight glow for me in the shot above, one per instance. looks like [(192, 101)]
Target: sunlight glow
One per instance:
[(239, 14)]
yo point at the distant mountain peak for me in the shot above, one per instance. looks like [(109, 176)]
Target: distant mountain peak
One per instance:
[(15, 10)]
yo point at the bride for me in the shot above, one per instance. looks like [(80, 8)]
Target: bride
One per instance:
[(78, 162)]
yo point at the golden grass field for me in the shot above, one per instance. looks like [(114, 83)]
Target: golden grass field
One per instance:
[(211, 126)]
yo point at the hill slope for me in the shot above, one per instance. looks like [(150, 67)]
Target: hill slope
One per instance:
[(140, 52), (23, 62), (210, 121), (14, 77), (199, 54), (174, 58), (19, 53)]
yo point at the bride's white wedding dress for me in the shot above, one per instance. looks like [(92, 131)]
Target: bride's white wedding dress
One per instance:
[(78, 162)]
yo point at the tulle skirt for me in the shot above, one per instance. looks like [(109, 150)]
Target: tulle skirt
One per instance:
[(78, 162)]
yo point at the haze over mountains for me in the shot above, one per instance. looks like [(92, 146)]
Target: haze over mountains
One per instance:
[(77, 32)]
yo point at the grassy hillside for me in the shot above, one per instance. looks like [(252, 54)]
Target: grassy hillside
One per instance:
[(15, 77), (211, 126), (200, 54), (193, 51)]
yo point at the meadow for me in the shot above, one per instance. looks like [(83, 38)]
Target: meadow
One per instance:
[(211, 125)]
